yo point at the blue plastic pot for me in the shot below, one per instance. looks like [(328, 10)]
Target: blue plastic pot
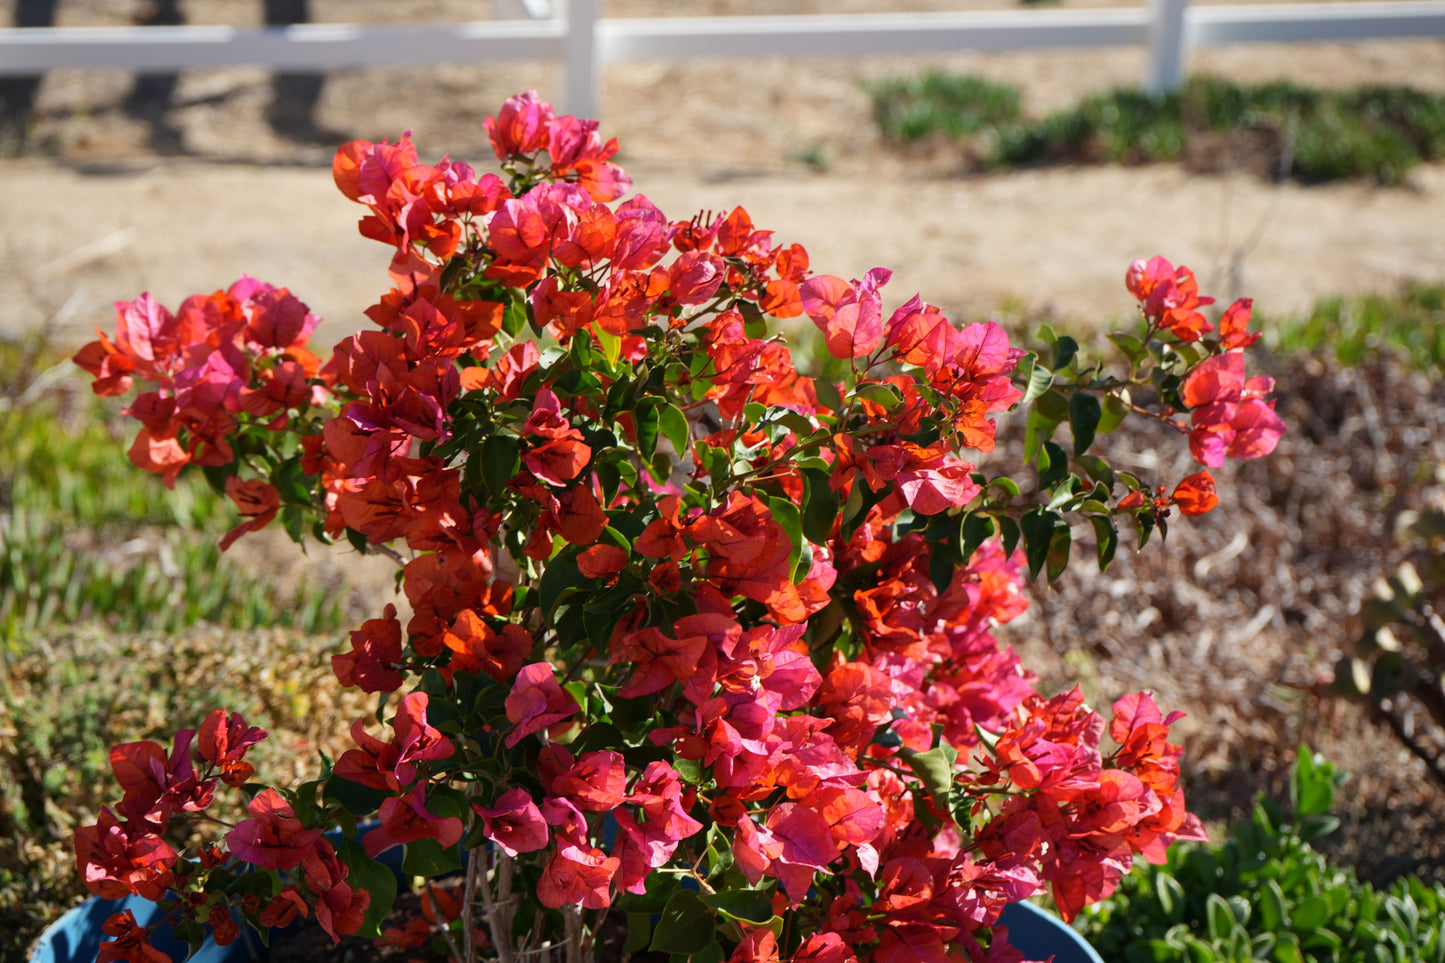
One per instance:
[(76, 936)]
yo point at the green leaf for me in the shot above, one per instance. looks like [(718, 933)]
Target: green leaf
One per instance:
[(1221, 919), (193, 934), (1084, 415), (884, 396), (1325, 940), (749, 905), (1151, 951), (1273, 912), (1038, 531), (1065, 495), (611, 344), (691, 770), (560, 575), (639, 933), (660, 889), (515, 317), (820, 506), (791, 420), (645, 417), (1106, 539), (1317, 826), (1053, 405), (1005, 484), (827, 393), (715, 462), (754, 324), (1405, 914), (374, 877), (1170, 895), (291, 521), (1039, 379), (357, 540), (1312, 784), (1115, 411), (217, 475), (686, 925), (673, 424), (1037, 430), (786, 514), (712, 953), (1053, 465), (976, 528), (1097, 469), (1286, 949), (1059, 548), (860, 499), (355, 798), (934, 769), (1064, 351), (1008, 533), (1310, 914), (1132, 347), (428, 857), (501, 460), (293, 483)]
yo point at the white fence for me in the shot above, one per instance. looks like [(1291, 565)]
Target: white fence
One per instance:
[(572, 32)]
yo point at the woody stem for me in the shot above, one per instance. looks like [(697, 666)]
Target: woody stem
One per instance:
[(498, 917)]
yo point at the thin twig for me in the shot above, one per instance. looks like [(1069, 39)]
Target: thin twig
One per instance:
[(475, 862), (446, 930), (1397, 719)]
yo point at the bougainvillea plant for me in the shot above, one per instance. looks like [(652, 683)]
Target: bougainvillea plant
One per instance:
[(688, 636)]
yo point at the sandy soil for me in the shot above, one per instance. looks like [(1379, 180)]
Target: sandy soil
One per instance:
[(1057, 239), (101, 215)]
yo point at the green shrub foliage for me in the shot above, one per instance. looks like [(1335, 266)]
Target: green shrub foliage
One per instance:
[(1281, 128), (1265, 893)]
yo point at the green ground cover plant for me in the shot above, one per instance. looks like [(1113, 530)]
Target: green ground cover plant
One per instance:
[(1264, 893), (83, 539), (1278, 129)]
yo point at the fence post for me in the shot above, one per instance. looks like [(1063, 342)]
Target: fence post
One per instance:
[(581, 72), (1165, 73)]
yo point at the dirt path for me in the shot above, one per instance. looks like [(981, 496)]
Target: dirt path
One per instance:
[(1057, 239), (104, 217)]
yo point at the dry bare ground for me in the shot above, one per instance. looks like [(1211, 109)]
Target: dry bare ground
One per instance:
[(1232, 621)]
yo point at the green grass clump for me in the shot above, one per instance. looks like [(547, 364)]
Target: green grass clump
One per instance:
[(911, 108), (1283, 128), (1409, 325), (1123, 126)]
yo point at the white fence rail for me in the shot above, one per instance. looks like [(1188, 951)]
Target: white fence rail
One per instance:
[(571, 31)]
